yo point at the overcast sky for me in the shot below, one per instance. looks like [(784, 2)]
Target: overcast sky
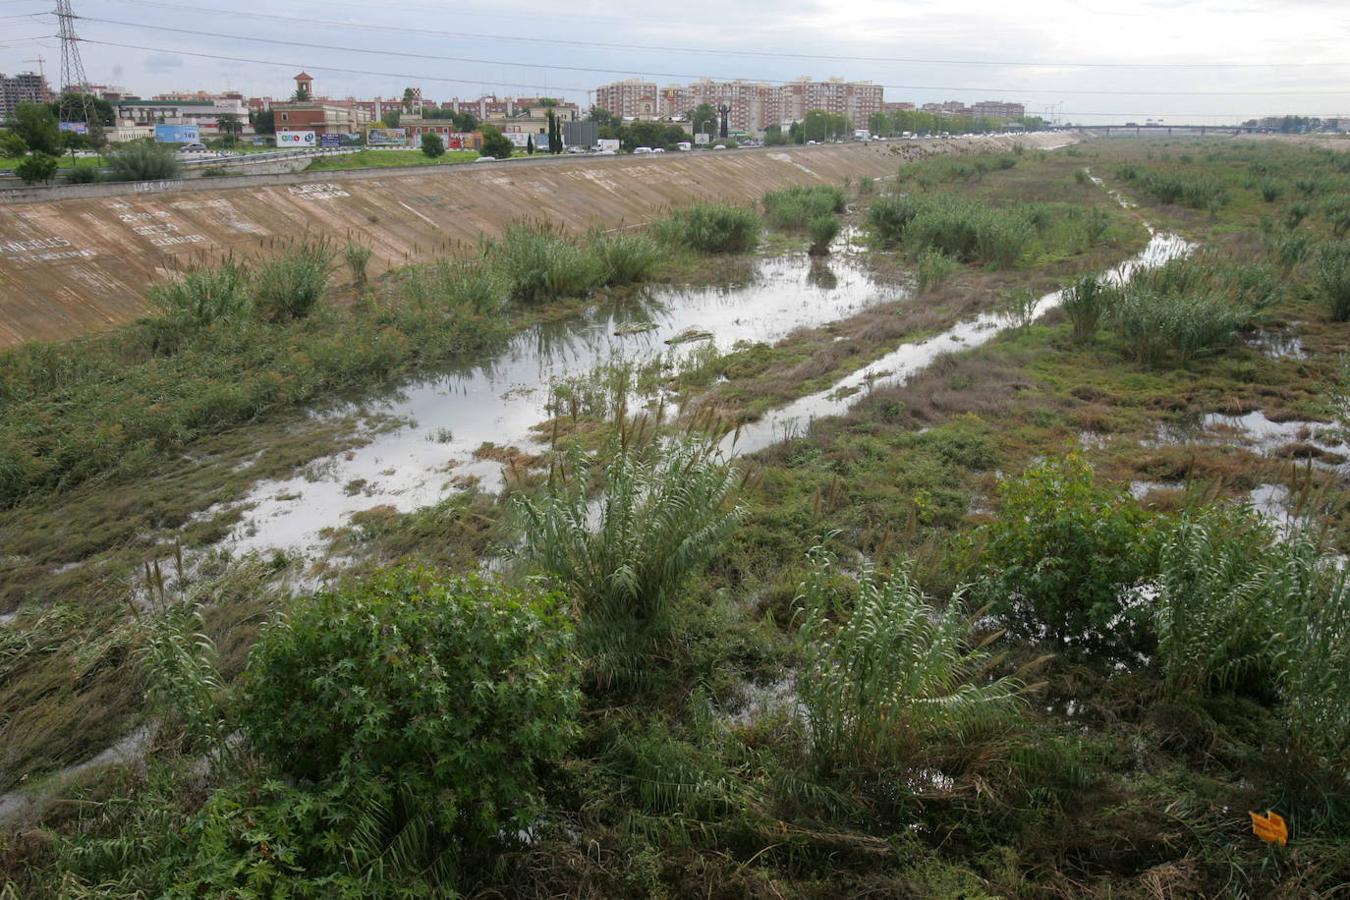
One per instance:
[(1294, 52)]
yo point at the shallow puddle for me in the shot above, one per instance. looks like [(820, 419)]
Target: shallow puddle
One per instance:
[(452, 416)]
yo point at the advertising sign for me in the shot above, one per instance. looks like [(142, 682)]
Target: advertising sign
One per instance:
[(608, 144), (330, 140), (77, 127), (387, 137), (702, 139), (297, 139), (176, 134), (521, 139)]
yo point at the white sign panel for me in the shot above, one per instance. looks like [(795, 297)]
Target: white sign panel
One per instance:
[(702, 138), (608, 144), (297, 139)]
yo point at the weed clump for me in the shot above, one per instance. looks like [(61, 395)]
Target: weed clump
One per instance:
[(1085, 302), (541, 265), (959, 228), (357, 256), (204, 295), (795, 208), (1331, 277), (887, 672), (453, 285), (710, 228), (625, 258), (823, 230), (290, 285)]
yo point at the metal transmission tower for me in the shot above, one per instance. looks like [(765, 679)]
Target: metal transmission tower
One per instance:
[(73, 78)]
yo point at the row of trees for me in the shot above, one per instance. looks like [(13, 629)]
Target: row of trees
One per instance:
[(893, 124)]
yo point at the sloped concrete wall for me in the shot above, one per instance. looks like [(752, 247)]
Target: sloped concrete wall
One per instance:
[(79, 259)]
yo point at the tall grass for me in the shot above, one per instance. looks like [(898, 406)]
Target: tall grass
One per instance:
[(823, 229), (1194, 191), (1189, 307), (1085, 302), (625, 258), (453, 285), (541, 265), (290, 285), (204, 295), (1331, 278), (660, 516), (960, 228), (934, 268), (886, 672), (795, 208), (710, 228), (357, 256)]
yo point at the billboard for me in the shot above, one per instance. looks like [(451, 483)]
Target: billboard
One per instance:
[(702, 138), (330, 140), (297, 139), (77, 127), (387, 137), (608, 144), (521, 139), (176, 134)]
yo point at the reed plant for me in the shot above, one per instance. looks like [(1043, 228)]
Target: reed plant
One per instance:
[(823, 229), (1085, 302), (710, 228), (795, 208), (541, 265), (1331, 278), (357, 256), (205, 295), (289, 286), (625, 257)]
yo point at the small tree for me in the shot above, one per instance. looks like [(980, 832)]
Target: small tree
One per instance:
[(554, 133), (496, 144), (35, 168), (143, 162), (264, 121), (432, 145), (12, 145), (529, 145), (229, 126), (36, 124)]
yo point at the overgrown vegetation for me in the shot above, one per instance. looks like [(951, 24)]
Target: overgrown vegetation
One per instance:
[(710, 228)]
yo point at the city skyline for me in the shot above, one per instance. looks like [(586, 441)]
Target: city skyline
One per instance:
[(480, 50)]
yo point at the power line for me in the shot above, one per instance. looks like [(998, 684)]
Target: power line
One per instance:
[(408, 77), (684, 75), (714, 51)]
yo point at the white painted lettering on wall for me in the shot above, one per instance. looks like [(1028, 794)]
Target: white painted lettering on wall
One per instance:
[(323, 190)]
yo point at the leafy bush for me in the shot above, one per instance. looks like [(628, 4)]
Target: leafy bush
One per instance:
[(887, 673), (823, 230), (710, 228), (662, 514), (83, 175), (456, 693), (496, 144), (288, 286), (541, 265), (795, 208), (142, 161), (204, 295), (432, 145), (36, 167), (1331, 277), (625, 257), (1086, 301), (1062, 554)]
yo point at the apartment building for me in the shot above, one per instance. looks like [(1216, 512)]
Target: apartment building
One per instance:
[(998, 109), (855, 100), (26, 87), (630, 99)]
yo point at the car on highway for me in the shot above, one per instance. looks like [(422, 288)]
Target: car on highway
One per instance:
[(192, 148), (486, 159), (640, 151)]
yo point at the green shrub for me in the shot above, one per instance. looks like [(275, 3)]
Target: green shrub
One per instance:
[(1331, 277), (970, 231), (288, 286), (1271, 191), (542, 265), (1295, 215), (204, 295), (661, 515), (1086, 301), (142, 161), (83, 175), (432, 145), (456, 693), (823, 230), (886, 673), (710, 228), (37, 167), (626, 258), (1062, 554), (795, 208)]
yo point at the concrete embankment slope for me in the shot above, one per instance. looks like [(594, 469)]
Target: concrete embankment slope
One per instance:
[(79, 259)]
